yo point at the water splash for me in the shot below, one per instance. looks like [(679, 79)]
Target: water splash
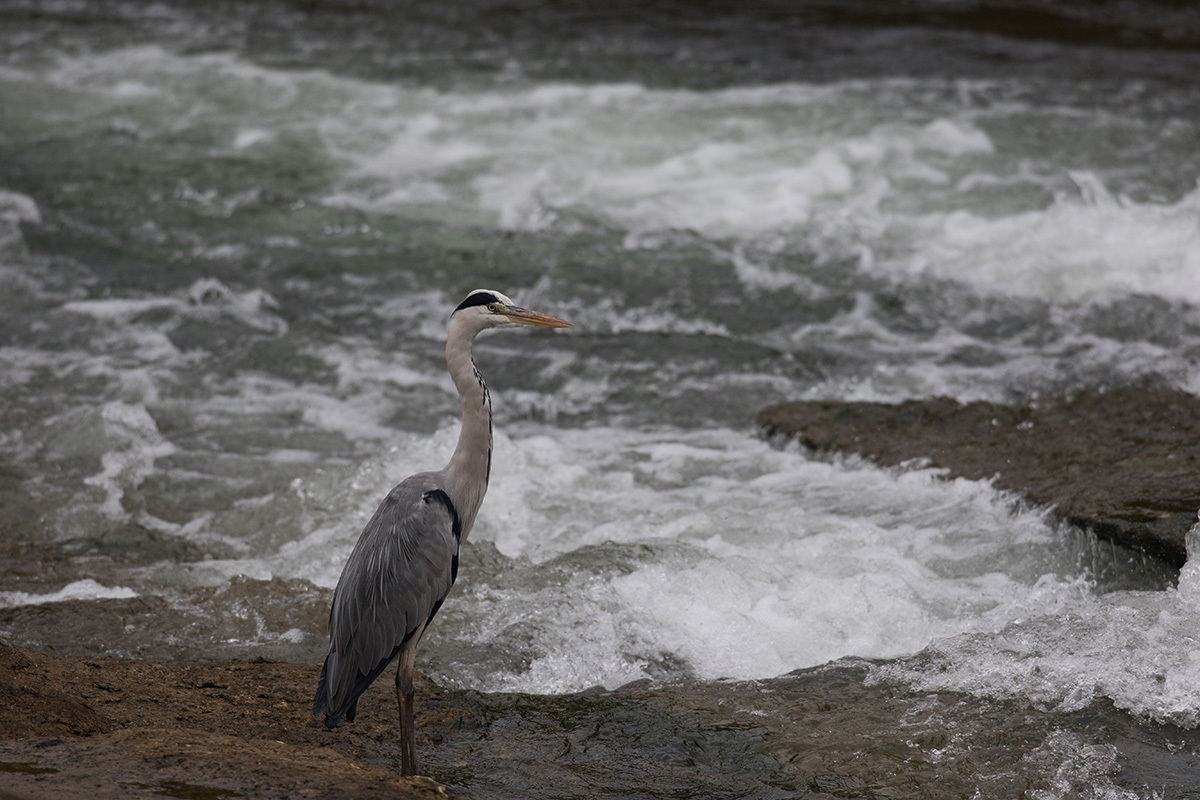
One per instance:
[(1136, 648), (86, 589)]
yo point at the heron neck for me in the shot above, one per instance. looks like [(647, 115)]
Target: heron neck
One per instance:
[(470, 467)]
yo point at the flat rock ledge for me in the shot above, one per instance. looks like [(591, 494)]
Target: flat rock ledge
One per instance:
[(110, 729), (103, 729), (1124, 464)]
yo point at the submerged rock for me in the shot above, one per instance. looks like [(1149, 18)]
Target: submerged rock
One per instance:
[(112, 728), (1124, 464)]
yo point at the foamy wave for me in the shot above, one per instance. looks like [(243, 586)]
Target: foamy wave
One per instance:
[(15, 209), (86, 589), (1138, 649), (650, 555), (897, 175), (727, 163), (122, 437), (205, 298), (1089, 244), (774, 161), (603, 556)]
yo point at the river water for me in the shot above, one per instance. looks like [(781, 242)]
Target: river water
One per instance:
[(230, 239)]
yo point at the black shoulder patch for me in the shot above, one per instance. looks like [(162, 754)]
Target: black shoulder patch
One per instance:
[(456, 526), (478, 298), (443, 498)]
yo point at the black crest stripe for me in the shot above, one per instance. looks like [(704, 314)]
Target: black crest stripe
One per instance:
[(478, 299)]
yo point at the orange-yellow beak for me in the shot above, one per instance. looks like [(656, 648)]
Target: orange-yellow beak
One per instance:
[(523, 316)]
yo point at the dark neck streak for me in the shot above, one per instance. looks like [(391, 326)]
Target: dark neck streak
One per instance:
[(487, 403)]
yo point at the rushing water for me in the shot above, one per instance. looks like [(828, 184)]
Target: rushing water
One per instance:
[(230, 240)]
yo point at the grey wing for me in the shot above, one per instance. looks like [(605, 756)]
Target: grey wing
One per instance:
[(403, 566)]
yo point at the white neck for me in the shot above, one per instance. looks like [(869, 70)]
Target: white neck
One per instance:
[(469, 469)]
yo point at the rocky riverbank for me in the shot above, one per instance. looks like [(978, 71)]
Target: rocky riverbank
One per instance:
[(100, 728), (1124, 464), (105, 728)]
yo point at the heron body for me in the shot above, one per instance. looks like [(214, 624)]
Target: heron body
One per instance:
[(406, 558)]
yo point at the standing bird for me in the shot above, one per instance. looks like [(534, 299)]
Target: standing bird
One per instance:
[(406, 558)]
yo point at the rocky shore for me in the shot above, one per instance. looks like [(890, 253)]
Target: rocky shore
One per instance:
[(106, 728), (1124, 464)]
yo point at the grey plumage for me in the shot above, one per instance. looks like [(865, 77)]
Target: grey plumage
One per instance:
[(406, 558), (403, 566)]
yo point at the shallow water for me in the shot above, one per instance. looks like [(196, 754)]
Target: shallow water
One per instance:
[(229, 243)]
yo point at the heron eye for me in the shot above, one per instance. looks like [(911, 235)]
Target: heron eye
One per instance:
[(493, 307)]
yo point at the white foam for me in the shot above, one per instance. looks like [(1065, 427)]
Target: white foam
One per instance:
[(255, 397), (132, 445), (747, 561), (898, 175), (712, 554), (86, 589), (15, 208), (361, 363), (254, 308), (250, 137), (813, 165), (123, 438), (1079, 769), (120, 310), (205, 298), (1138, 649), (1089, 244)]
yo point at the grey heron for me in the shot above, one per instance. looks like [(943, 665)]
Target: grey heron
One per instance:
[(406, 558)]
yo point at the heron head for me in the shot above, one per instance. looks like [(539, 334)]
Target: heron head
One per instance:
[(491, 309)]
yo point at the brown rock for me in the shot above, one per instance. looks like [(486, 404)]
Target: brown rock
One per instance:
[(226, 729), (823, 732)]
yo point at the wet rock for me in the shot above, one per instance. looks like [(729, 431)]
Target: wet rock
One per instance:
[(40, 708), (246, 733), (1124, 464), (831, 731)]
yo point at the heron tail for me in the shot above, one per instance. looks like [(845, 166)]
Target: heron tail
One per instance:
[(324, 702)]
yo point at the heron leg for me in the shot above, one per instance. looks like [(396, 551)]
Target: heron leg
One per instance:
[(404, 697)]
